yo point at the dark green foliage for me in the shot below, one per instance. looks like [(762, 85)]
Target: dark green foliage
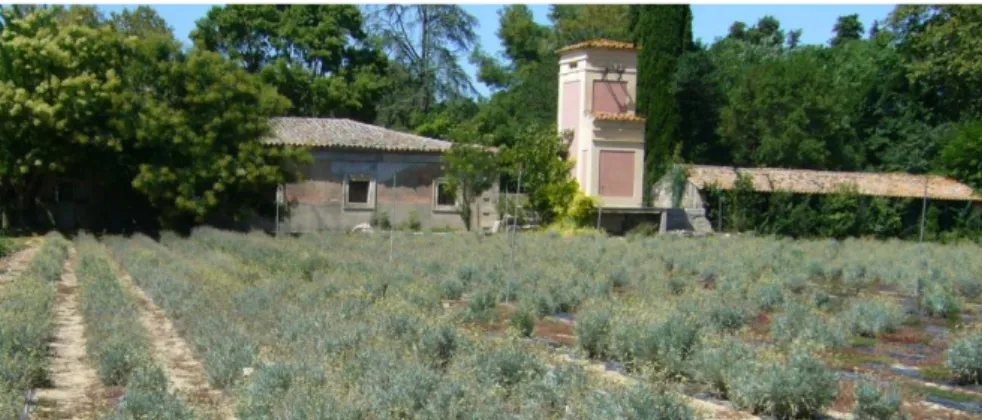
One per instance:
[(664, 33), (318, 56), (380, 220), (524, 320), (847, 28)]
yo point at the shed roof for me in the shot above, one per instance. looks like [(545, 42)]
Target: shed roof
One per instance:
[(601, 44), (345, 133), (827, 182)]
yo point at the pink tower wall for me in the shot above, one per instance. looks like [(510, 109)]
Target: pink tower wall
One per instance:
[(610, 96), (616, 173), (571, 105)]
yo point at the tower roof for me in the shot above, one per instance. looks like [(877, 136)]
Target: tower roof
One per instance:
[(600, 43)]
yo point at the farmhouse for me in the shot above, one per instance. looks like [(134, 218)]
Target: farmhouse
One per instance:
[(361, 171)]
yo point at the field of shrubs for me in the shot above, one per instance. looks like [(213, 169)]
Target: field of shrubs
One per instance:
[(533, 326)]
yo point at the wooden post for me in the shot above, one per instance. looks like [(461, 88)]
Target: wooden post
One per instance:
[(719, 222), (392, 225), (924, 208)]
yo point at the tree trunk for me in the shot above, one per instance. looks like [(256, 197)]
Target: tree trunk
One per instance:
[(425, 48)]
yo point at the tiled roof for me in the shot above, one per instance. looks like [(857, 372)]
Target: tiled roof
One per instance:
[(344, 133), (599, 43), (825, 182), (607, 116)]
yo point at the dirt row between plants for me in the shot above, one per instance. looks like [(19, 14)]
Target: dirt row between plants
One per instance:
[(14, 264), (187, 375), (75, 391)]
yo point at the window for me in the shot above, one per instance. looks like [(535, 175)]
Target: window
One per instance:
[(574, 65), (444, 196), (359, 192)]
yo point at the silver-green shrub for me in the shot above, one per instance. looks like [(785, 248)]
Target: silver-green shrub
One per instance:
[(27, 324), (802, 387), (939, 301), (872, 318), (877, 402), (593, 332), (965, 359)]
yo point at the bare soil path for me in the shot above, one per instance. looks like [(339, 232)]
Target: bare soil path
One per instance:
[(172, 353), (12, 265), (76, 392)]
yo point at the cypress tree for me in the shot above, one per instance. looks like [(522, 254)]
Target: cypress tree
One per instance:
[(664, 33)]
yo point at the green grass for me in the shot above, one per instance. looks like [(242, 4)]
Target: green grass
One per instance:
[(936, 373), (945, 394)]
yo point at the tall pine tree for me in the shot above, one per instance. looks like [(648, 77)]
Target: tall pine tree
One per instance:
[(664, 33)]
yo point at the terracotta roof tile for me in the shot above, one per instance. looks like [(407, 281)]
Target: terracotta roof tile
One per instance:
[(344, 133), (600, 43), (607, 116), (825, 182)]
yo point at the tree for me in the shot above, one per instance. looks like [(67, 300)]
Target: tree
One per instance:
[(425, 41), (941, 45), (578, 23), (61, 84), (203, 157), (847, 28), (664, 34), (785, 113), (472, 169), (961, 157), (318, 56), (133, 115), (143, 21), (539, 156)]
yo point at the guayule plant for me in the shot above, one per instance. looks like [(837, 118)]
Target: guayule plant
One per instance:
[(800, 387), (26, 322), (939, 301), (871, 318), (878, 402), (593, 332), (718, 362), (965, 359)]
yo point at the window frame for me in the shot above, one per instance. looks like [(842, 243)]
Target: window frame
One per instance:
[(370, 203), (443, 208)]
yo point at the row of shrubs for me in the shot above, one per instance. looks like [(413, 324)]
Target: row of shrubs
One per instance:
[(181, 292), (27, 324), (117, 343), (359, 338), (347, 294)]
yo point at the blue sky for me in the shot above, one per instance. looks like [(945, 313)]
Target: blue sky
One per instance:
[(709, 21)]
